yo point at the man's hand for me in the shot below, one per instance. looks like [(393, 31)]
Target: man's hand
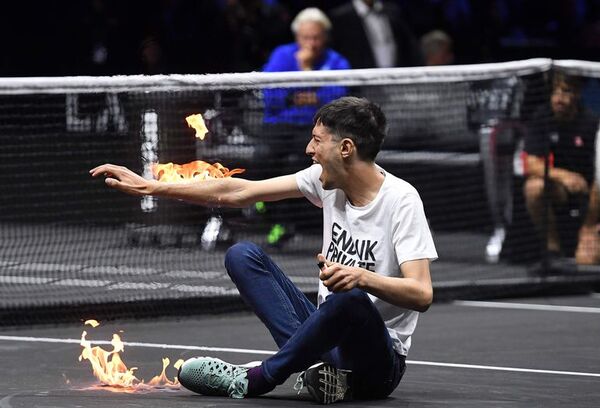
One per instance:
[(305, 98), (123, 179), (339, 278), (575, 183), (306, 58)]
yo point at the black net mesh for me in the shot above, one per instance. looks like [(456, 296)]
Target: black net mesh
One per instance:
[(72, 248)]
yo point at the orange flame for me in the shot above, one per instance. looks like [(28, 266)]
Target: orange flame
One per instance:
[(197, 122), (196, 170), (92, 322), (111, 371)]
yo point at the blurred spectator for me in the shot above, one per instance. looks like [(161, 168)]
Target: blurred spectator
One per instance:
[(309, 53), (289, 112), (472, 25), (196, 38), (101, 47), (437, 49), (568, 142), (152, 58), (373, 34)]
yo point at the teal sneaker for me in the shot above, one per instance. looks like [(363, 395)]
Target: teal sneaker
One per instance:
[(325, 383), (211, 376)]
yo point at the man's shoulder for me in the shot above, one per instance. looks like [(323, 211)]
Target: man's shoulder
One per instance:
[(588, 116), (284, 50), (337, 58), (399, 189)]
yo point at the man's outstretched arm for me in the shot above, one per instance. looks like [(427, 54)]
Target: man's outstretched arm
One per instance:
[(226, 192)]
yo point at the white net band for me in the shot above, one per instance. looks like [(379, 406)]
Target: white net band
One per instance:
[(579, 68), (253, 80)]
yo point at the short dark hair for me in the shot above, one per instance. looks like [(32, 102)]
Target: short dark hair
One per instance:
[(358, 119)]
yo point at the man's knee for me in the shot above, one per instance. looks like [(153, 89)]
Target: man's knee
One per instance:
[(351, 299), (239, 253), (534, 189)]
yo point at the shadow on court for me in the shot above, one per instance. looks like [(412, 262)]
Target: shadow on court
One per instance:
[(526, 352)]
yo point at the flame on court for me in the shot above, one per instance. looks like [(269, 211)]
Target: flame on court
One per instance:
[(197, 122), (196, 170), (113, 374)]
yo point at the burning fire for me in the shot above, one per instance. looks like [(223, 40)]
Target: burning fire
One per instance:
[(111, 371), (196, 170), (197, 122)]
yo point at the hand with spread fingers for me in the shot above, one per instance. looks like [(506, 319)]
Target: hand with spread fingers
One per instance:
[(339, 278), (123, 179)]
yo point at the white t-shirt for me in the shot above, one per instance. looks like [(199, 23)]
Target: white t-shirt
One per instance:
[(379, 236)]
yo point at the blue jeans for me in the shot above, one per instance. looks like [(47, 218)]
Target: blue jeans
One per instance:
[(346, 331)]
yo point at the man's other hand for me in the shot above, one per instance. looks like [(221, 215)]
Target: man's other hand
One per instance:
[(305, 98), (339, 278), (575, 183)]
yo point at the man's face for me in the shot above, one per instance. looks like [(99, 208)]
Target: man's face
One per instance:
[(312, 36), (326, 151), (563, 101), (444, 56)]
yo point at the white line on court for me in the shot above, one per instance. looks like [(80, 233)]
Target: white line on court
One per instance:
[(136, 344), (267, 352), (527, 306), (498, 368)]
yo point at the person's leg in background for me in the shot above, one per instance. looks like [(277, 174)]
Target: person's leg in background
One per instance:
[(588, 244), (535, 202)]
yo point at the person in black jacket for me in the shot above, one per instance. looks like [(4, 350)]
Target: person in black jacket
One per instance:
[(568, 141), (373, 34)]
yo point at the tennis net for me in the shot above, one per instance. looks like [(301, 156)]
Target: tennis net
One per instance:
[(70, 248)]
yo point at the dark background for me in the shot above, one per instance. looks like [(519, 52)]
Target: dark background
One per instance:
[(107, 37)]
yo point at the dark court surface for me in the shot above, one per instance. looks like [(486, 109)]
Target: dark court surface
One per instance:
[(517, 352)]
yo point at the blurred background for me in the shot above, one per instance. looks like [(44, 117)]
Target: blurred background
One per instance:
[(68, 243), (107, 37)]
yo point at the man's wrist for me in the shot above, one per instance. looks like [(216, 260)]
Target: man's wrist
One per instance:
[(363, 279), (154, 187)]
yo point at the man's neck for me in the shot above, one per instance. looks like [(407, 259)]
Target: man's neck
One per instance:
[(364, 181)]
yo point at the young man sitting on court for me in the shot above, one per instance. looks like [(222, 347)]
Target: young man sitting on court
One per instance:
[(374, 266)]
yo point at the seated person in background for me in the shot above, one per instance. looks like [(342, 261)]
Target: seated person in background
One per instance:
[(569, 141), (436, 47), (288, 112), (309, 53), (374, 34)]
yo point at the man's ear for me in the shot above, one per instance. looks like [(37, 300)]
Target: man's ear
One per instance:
[(347, 148)]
